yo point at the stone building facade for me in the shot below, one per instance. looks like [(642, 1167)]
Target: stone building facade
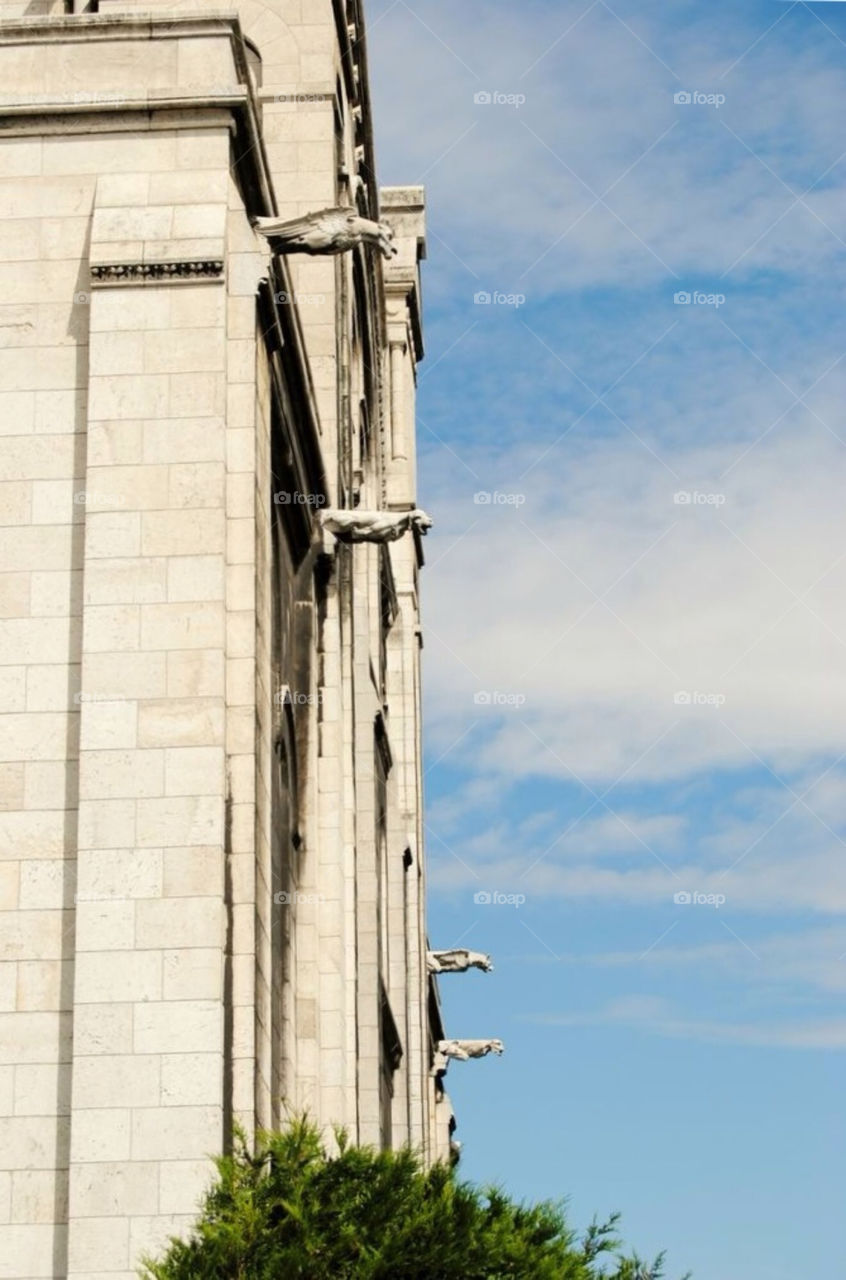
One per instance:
[(211, 872)]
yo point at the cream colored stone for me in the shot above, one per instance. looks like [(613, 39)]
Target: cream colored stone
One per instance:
[(110, 312), (115, 1190), (193, 872), (195, 578), (195, 673), (104, 924), (184, 440), (129, 396), (49, 785), (15, 502), (194, 771), (130, 1080), (50, 688), (37, 1194), (196, 484), (117, 353), (126, 581), (32, 1037), (31, 548), (181, 533), (105, 976), (99, 1245), (113, 677), (111, 628), (193, 974), (27, 1250), (60, 412), (182, 1026), (33, 835), (180, 820), (100, 1134), (173, 1133), (15, 595), (240, 681), (103, 1030), (121, 873), (9, 881), (177, 626), (56, 594), (112, 534), (28, 1142), (197, 350), (182, 1184), (46, 884), (12, 689), (195, 922), (115, 443), (37, 1082), (124, 773)]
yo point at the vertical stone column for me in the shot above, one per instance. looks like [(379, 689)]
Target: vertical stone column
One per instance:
[(364, 708), (248, 673), (148, 1060), (44, 219)]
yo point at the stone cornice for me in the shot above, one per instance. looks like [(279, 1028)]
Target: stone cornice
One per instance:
[(83, 28), (156, 272)]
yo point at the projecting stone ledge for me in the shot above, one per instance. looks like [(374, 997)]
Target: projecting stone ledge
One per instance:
[(326, 231), (373, 526), (463, 1050), (458, 960)]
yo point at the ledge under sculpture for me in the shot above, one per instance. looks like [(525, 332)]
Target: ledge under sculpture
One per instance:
[(373, 526), (326, 231), (458, 960), (465, 1049)]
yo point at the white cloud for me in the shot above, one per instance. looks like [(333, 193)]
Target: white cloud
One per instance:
[(507, 183), (743, 602), (654, 1015)]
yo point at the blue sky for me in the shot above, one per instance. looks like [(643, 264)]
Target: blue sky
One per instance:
[(634, 651)]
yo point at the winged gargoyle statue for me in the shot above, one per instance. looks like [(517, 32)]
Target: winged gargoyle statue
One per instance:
[(373, 526), (326, 231), (464, 1049), (458, 960)]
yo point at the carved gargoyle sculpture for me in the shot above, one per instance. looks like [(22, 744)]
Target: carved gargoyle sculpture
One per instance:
[(326, 231), (458, 960), (373, 526), (464, 1049)]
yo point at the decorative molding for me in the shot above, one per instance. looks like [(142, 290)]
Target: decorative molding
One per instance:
[(156, 272)]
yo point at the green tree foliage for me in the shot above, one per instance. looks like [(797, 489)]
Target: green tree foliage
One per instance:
[(287, 1210)]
